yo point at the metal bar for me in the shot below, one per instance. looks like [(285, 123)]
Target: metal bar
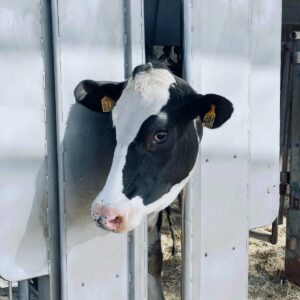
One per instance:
[(10, 292), (23, 290), (187, 40), (52, 160), (271, 238), (285, 125), (292, 261), (43, 288), (134, 52)]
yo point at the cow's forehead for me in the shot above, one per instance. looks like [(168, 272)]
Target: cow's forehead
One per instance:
[(145, 94)]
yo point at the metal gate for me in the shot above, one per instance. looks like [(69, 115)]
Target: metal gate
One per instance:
[(52, 150)]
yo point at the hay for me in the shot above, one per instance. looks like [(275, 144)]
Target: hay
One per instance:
[(266, 265)]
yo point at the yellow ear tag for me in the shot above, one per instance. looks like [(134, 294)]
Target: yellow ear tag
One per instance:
[(209, 117), (107, 104)]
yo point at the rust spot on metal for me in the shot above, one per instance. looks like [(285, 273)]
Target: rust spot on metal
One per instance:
[(291, 243), (292, 267)]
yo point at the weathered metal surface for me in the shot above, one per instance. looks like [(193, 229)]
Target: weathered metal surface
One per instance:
[(292, 266), (53, 226), (23, 168), (292, 256), (137, 239)]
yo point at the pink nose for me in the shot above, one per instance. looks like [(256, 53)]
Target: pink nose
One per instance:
[(108, 218)]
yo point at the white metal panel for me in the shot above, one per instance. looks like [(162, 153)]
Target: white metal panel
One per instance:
[(217, 59), (89, 41), (23, 169), (264, 96)]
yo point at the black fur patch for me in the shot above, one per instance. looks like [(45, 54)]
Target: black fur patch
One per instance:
[(152, 172)]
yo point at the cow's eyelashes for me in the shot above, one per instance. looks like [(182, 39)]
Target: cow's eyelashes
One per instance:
[(160, 136)]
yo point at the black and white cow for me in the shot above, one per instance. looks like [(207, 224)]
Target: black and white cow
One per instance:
[(154, 114)]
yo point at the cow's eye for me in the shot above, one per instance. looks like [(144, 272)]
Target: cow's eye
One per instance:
[(160, 136)]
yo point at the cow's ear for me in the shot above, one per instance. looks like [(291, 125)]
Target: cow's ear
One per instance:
[(98, 96), (213, 110)]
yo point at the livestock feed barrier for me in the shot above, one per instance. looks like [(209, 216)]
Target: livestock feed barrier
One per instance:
[(55, 155)]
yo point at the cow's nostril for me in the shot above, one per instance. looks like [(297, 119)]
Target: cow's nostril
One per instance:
[(117, 220)]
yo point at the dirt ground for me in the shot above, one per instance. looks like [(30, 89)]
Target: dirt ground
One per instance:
[(266, 264)]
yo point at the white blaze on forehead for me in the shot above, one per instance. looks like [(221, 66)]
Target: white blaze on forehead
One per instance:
[(143, 96)]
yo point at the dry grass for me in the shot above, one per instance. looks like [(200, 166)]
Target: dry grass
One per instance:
[(266, 265)]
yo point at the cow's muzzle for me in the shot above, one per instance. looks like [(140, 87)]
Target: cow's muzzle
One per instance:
[(108, 218)]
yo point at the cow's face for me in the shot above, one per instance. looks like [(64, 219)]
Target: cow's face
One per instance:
[(157, 141)]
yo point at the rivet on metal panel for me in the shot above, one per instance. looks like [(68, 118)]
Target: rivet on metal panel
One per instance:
[(82, 284), (268, 191), (234, 156), (205, 254), (206, 160), (233, 248), (291, 243), (117, 275)]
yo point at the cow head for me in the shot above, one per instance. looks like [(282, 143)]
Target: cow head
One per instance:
[(154, 115)]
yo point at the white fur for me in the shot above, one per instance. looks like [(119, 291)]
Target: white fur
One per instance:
[(143, 96)]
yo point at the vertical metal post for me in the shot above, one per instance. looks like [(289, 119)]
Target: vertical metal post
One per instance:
[(285, 124), (10, 293), (23, 290), (52, 162), (43, 288), (292, 262), (137, 239)]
